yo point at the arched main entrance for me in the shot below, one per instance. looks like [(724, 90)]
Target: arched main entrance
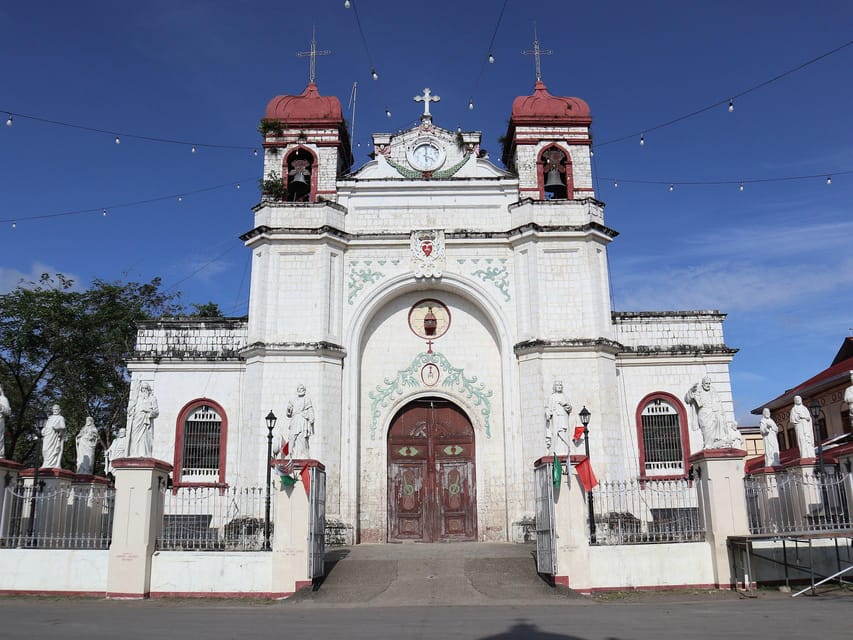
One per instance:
[(432, 490)]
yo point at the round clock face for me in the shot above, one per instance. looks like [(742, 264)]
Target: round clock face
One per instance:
[(426, 156)]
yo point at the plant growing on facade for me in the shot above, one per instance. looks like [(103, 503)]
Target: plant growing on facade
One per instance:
[(273, 187), (269, 127)]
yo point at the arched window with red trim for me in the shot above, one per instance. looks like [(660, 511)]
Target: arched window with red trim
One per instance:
[(300, 175), (554, 170), (662, 436), (200, 439)]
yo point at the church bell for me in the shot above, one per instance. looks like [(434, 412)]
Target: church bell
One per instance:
[(554, 184)]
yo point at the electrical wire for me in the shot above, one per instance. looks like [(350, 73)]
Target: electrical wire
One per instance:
[(123, 134), (824, 175), (122, 205), (728, 100)]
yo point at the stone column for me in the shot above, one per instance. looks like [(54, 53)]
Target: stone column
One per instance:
[(291, 529), (9, 471), (137, 520), (570, 529), (720, 474)]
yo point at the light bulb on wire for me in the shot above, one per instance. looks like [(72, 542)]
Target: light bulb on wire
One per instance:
[(374, 75), (615, 184), (491, 59), (14, 224), (118, 140), (642, 139), (470, 104), (104, 213), (740, 188), (255, 152), (347, 5), (731, 105), (672, 187), (387, 112), (9, 120), (193, 149), (828, 179), (180, 198)]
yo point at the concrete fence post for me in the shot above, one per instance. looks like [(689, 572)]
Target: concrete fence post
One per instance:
[(137, 521), (9, 471), (719, 474)]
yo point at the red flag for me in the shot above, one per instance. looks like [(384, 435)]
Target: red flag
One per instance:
[(285, 449), (578, 433), (586, 475), (305, 474)]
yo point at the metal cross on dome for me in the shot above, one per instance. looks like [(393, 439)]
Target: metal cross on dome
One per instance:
[(426, 98), (313, 53), (536, 53)]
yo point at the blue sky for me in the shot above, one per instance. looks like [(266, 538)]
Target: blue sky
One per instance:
[(776, 256)]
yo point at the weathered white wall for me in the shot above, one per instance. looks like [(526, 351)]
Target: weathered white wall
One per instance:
[(650, 565), (59, 570), (210, 573)]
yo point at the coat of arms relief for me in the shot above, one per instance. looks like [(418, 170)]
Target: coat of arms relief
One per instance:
[(428, 254)]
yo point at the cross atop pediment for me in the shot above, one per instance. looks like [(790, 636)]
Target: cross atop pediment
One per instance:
[(426, 98)]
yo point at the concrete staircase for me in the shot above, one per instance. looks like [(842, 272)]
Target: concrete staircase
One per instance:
[(461, 573)]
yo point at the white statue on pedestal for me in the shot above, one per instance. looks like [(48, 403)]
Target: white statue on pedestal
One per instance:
[(801, 420), (5, 412), (87, 440), (769, 431), (118, 449), (848, 398), (141, 439), (717, 433), (301, 414), (557, 416), (53, 438)]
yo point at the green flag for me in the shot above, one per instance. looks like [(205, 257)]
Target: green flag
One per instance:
[(557, 471)]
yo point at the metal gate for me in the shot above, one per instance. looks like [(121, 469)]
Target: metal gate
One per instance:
[(317, 523), (546, 548)]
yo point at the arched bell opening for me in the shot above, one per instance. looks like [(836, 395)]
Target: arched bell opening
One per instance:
[(555, 174), (300, 176)]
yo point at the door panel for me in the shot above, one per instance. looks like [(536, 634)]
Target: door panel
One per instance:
[(431, 474)]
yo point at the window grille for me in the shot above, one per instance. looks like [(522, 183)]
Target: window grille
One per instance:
[(200, 451), (663, 452)]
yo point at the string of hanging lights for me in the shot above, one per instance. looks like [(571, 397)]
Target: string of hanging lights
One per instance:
[(730, 101), (103, 210), (118, 135), (488, 59), (739, 184)]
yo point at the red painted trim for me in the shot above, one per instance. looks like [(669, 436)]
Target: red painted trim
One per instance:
[(303, 584), (183, 414), (560, 581), (120, 595), (142, 463), (298, 463), (80, 478), (540, 172), (49, 472), (716, 454), (796, 462), (11, 465), (315, 169), (682, 423), (265, 595), (28, 592), (656, 587)]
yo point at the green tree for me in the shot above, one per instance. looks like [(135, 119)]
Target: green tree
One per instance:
[(67, 346), (206, 310)]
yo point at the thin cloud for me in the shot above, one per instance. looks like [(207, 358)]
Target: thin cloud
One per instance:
[(11, 278)]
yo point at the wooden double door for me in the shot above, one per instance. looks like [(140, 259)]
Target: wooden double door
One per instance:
[(432, 492)]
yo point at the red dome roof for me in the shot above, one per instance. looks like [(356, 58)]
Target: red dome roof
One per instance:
[(308, 108), (543, 107)]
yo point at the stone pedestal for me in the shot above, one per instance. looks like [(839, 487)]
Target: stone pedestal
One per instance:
[(291, 532), (90, 504), (719, 474), (136, 524), (571, 535), (9, 471)]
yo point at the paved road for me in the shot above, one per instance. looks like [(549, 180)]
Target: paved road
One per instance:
[(659, 617)]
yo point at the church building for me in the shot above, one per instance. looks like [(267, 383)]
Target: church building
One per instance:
[(430, 302)]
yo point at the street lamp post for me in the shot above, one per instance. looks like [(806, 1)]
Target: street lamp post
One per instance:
[(815, 410), (584, 416), (41, 420), (271, 419)]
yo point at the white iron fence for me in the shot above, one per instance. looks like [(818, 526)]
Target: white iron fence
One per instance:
[(655, 511), (798, 502), (214, 519), (66, 518)]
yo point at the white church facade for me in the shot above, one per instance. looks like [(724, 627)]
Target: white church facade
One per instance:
[(428, 301)]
